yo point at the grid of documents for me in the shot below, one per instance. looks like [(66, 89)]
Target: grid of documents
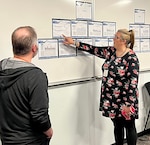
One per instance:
[(85, 29)]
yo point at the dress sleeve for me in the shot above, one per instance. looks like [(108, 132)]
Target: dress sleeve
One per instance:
[(132, 85), (102, 52)]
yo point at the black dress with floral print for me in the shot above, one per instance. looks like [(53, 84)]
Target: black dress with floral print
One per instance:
[(119, 82)]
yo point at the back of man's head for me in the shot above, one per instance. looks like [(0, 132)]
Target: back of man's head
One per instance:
[(22, 40)]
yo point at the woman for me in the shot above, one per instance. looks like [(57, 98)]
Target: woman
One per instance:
[(119, 92)]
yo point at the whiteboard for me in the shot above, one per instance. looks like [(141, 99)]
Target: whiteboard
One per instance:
[(65, 70), (39, 14)]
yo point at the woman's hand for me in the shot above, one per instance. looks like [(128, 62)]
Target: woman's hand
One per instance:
[(68, 40), (126, 109)]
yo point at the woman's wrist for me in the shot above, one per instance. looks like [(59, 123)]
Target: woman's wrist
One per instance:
[(76, 43)]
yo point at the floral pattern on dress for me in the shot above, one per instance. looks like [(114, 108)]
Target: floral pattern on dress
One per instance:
[(119, 86)]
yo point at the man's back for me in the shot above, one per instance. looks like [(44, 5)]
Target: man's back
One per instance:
[(23, 103)]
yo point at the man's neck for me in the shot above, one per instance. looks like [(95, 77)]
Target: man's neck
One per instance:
[(23, 58)]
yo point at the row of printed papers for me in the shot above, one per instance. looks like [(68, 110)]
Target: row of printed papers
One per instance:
[(141, 30), (142, 45), (52, 48), (82, 28)]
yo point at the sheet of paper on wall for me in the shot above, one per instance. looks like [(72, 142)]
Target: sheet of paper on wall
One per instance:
[(110, 42), (145, 31), (78, 28), (66, 50), (48, 48), (61, 26), (109, 29), (139, 16), (101, 42), (83, 10), (136, 29), (145, 45), (137, 46), (95, 29)]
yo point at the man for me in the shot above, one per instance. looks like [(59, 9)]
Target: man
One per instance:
[(24, 101)]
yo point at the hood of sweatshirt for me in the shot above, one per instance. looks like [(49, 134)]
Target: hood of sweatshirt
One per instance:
[(11, 70)]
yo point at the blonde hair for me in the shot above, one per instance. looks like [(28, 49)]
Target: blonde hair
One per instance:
[(128, 36)]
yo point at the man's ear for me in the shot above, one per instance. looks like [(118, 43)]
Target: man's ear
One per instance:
[(34, 48)]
